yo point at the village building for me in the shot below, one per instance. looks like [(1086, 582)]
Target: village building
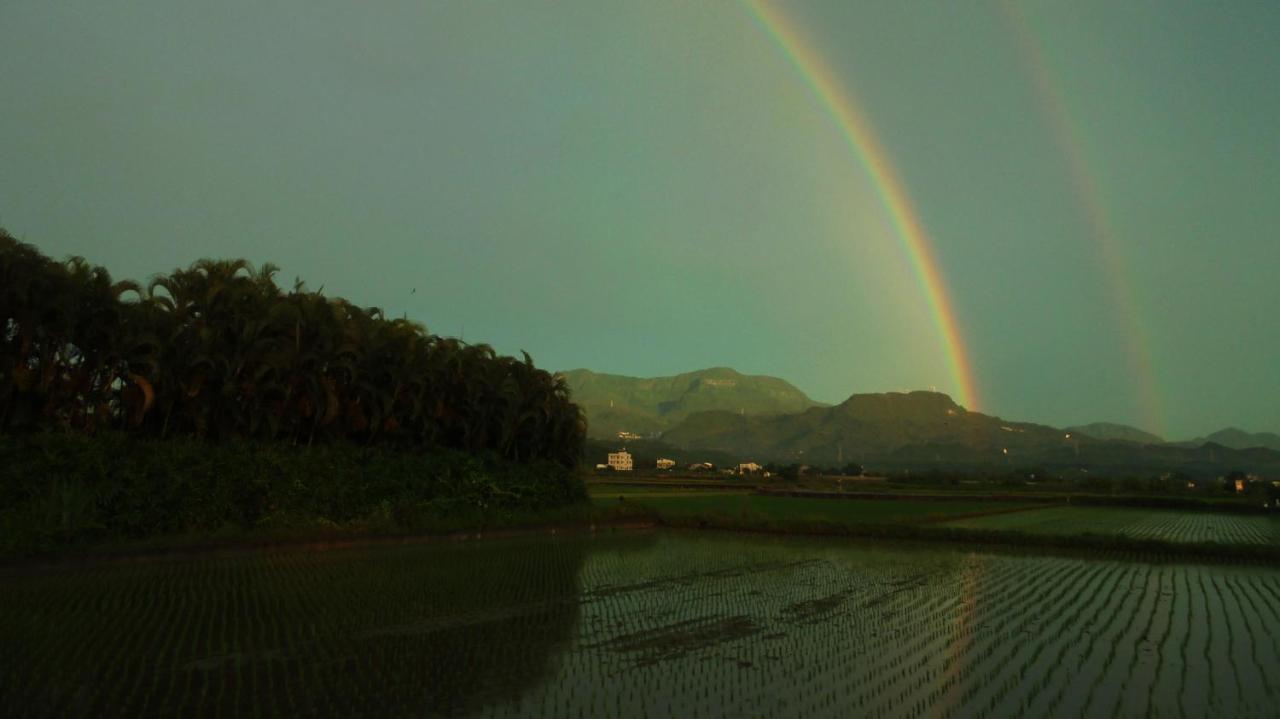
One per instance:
[(701, 466), (627, 436), (620, 461), (666, 463), (749, 468)]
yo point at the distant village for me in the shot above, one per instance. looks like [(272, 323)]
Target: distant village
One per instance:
[(622, 461)]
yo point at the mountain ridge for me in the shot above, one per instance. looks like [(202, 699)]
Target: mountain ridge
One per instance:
[(650, 405), (1236, 438), (1115, 431), (929, 431)]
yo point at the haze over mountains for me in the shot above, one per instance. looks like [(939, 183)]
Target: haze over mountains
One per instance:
[(768, 419)]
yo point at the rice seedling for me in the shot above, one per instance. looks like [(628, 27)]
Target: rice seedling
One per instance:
[(675, 623)]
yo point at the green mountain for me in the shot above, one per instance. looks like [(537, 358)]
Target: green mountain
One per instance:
[(863, 428), (926, 430), (1118, 432), (649, 406), (1233, 438)]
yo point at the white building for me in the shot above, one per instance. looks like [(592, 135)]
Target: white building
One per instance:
[(666, 463), (620, 461), (748, 467), (626, 436)]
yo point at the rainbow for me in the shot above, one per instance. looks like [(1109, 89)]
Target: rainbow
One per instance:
[(1102, 231), (861, 138)]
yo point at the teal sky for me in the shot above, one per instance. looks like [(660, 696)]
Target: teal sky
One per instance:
[(650, 187)]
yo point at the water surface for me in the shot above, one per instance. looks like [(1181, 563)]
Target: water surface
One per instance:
[(648, 623)]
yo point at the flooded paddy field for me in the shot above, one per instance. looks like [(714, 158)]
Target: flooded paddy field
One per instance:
[(644, 623), (1137, 523)]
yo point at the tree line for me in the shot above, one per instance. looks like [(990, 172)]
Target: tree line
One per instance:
[(218, 350)]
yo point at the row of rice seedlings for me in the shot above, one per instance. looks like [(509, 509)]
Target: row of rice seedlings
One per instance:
[(1028, 615), (1259, 618), (1080, 607), (1205, 527), (753, 628), (1151, 601), (973, 625), (995, 673), (197, 623)]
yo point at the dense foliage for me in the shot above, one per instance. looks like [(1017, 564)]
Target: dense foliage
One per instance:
[(218, 351), (60, 489)]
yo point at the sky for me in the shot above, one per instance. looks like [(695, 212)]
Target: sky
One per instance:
[(648, 188)]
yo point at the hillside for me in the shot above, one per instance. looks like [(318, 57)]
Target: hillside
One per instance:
[(863, 427), (1118, 432), (1233, 438), (649, 406), (927, 430)]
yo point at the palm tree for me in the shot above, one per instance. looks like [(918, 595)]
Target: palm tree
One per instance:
[(217, 350)]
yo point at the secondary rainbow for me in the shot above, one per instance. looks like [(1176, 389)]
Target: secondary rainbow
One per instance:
[(861, 138), (1068, 138)]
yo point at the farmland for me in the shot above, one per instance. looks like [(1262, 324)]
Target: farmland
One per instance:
[(658, 622), (695, 503), (1136, 523)]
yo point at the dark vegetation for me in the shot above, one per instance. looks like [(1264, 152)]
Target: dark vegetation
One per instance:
[(200, 388), (60, 490)]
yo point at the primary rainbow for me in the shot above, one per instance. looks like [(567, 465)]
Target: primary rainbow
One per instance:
[(1068, 137), (857, 131)]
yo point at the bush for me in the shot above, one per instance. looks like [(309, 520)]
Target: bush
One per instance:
[(61, 489)]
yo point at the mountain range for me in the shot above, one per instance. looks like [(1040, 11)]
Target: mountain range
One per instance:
[(1118, 432), (1231, 437), (1238, 439), (766, 419)]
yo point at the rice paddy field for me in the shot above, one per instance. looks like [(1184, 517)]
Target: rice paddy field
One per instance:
[(1166, 525), (855, 511), (641, 623)]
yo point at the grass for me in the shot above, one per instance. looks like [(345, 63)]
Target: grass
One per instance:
[(670, 505), (307, 532), (1189, 533)]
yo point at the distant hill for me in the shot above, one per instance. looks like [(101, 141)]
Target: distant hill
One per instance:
[(1118, 432), (927, 430), (864, 427), (1233, 438), (649, 406)]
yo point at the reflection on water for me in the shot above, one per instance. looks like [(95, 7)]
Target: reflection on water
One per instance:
[(392, 630), (643, 624)]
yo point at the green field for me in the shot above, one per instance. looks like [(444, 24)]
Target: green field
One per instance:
[(683, 504), (1136, 523), (655, 623)]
